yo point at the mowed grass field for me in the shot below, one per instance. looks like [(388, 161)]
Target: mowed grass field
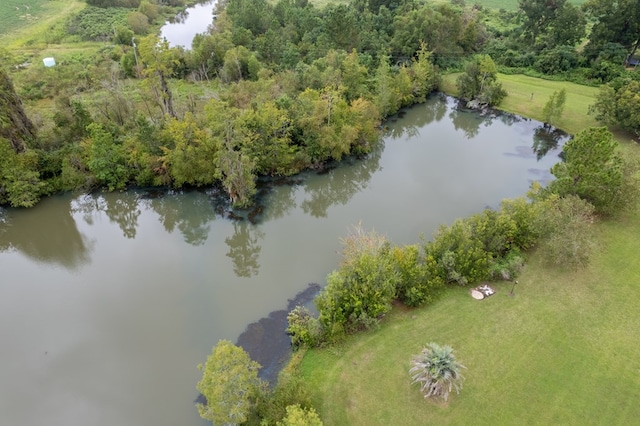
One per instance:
[(527, 96), (21, 20), (563, 351)]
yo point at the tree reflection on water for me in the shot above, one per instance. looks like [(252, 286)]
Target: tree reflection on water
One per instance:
[(547, 138), (47, 234), (190, 213), (340, 184), (244, 249)]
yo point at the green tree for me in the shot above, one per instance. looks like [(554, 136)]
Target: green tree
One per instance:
[(437, 371), (106, 158), (547, 24), (417, 285), (238, 177), (386, 99), (554, 107), (298, 416), (266, 139), (20, 184), (615, 22), (229, 384), (457, 254), (159, 62), (479, 84), (619, 104), (592, 169), (194, 156), (138, 22), (424, 75)]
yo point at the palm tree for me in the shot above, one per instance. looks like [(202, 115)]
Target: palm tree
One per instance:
[(437, 371)]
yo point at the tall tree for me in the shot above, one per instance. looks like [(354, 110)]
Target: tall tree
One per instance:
[(229, 383), (592, 169), (479, 83), (538, 16), (615, 22), (159, 61)]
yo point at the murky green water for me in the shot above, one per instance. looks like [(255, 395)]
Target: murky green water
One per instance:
[(108, 302)]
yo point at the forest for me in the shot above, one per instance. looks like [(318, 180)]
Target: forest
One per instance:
[(275, 88)]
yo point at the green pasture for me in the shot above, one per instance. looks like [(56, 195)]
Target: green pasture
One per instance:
[(21, 27), (562, 351), (528, 95)]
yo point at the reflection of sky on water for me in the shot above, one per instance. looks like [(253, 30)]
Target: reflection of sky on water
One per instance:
[(109, 301), (196, 21)]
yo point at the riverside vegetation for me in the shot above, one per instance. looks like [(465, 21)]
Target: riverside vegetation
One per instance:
[(276, 88)]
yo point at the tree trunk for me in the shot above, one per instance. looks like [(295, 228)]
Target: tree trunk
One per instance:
[(167, 96)]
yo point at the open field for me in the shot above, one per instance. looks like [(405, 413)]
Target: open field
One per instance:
[(519, 100), (21, 27), (563, 350)]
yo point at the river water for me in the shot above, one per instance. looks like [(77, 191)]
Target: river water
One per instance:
[(194, 20), (109, 301)]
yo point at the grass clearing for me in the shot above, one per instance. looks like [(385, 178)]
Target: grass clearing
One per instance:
[(21, 26), (528, 95), (563, 350)]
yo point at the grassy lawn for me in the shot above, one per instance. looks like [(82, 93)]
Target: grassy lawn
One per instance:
[(19, 26), (563, 350), (519, 100)]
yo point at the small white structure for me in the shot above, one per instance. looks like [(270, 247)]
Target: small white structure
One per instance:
[(49, 62)]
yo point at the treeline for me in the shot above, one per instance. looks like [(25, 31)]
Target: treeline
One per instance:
[(275, 88)]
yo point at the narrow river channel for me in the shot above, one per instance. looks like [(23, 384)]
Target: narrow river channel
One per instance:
[(194, 20), (109, 301)]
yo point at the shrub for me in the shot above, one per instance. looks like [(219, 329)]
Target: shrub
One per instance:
[(494, 230), (304, 329), (507, 268), (415, 286), (565, 223), (524, 215), (557, 60), (436, 370), (362, 289), (291, 389), (138, 22), (298, 416), (460, 256)]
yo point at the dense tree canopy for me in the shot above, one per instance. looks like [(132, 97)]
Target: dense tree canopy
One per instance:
[(615, 22), (277, 87)]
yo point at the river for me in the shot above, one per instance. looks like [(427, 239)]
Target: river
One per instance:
[(109, 301), (194, 20)]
